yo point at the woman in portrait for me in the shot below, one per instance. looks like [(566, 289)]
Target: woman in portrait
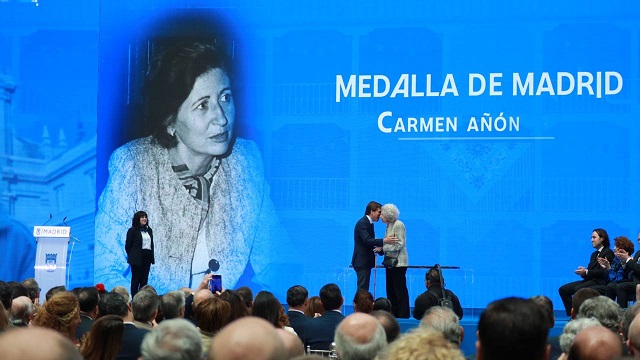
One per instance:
[(396, 278), (104, 340), (206, 185), (139, 248)]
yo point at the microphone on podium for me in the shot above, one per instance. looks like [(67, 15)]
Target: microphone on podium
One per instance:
[(46, 222)]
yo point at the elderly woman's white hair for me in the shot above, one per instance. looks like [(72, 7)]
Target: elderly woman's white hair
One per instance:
[(572, 328), (390, 212)]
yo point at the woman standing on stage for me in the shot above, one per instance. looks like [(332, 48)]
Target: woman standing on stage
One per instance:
[(396, 278), (139, 248)]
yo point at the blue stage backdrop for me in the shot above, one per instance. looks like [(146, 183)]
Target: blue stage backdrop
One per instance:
[(503, 131)]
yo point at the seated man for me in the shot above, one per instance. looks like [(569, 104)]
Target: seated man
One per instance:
[(319, 332), (432, 296)]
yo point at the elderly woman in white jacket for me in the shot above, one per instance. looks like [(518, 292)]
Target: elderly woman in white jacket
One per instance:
[(397, 291)]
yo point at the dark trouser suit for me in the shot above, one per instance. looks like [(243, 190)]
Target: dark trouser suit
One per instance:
[(364, 275), (566, 292), (397, 291), (140, 273)]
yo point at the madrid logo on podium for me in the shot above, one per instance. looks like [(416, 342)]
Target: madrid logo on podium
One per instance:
[(50, 262)]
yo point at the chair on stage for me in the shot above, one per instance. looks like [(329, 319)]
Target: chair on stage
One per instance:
[(331, 354)]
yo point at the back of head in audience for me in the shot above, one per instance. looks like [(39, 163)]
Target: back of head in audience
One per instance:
[(359, 336), (297, 297), (60, 313), (33, 288), (579, 297), (268, 307), (6, 295), (238, 308), (633, 343), (51, 345), (172, 339), (331, 297), (444, 320), (382, 303), (572, 328), (213, 314), (104, 340), (247, 338), (314, 307), (113, 304), (423, 344), (389, 324), (595, 343), (145, 305), (247, 295), (88, 299), (123, 292), (292, 343), (22, 310), (603, 309), (18, 289), (512, 328), (363, 301), (54, 290), (627, 318), (546, 305), (173, 305)]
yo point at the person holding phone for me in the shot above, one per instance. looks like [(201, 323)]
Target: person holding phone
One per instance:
[(593, 274), (139, 248)]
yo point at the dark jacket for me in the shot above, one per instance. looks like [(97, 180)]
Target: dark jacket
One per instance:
[(133, 246)]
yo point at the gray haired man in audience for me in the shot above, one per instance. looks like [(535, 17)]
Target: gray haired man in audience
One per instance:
[(444, 320), (596, 343), (359, 337), (603, 309), (145, 308), (173, 339), (37, 343), (173, 305), (571, 329), (247, 338), (22, 311)]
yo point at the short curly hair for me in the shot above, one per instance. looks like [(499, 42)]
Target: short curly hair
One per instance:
[(390, 212), (623, 242)]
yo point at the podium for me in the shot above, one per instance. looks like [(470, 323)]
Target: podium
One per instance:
[(51, 257)]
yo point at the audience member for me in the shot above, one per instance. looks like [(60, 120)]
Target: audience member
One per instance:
[(591, 275), (633, 342), (363, 301), (123, 292), (298, 301), (114, 304), (389, 324), (211, 315), (423, 344), (145, 308), (319, 332), (382, 303), (627, 318), (247, 338), (37, 343), (443, 319), (603, 309), (546, 305), (571, 329), (292, 343), (173, 305), (359, 337), (595, 343), (88, 300), (314, 309), (580, 297), (238, 308), (33, 289), (22, 311), (433, 294), (60, 313), (512, 328), (247, 295), (104, 340), (173, 339), (54, 290), (5, 321), (6, 296), (17, 289), (268, 307)]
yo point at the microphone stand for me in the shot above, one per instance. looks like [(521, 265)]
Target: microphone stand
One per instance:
[(73, 241)]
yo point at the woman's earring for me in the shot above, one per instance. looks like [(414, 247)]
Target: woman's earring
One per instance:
[(172, 131)]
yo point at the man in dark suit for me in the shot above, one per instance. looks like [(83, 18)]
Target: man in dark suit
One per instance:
[(88, 299), (298, 300), (364, 241), (626, 290), (593, 274), (114, 304), (431, 297), (319, 332)]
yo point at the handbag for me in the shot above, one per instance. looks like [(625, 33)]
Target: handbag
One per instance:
[(390, 262)]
